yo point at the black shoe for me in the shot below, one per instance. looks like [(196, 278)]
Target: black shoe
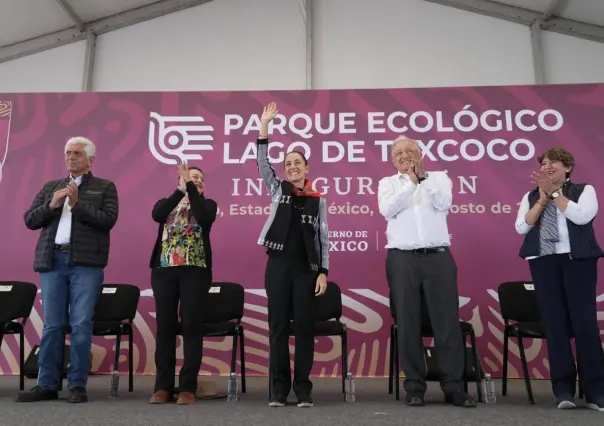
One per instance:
[(460, 399), (277, 400), (596, 403), (38, 393), (77, 395), (414, 399), (305, 401), (565, 402)]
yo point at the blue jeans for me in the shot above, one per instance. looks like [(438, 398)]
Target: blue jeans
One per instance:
[(69, 293)]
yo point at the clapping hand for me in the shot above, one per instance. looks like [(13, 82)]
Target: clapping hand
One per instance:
[(58, 198), (184, 172), (417, 170), (544, 183), (72, 193)]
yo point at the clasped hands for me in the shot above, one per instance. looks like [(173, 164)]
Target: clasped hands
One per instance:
[(416, 171), (58, 198)]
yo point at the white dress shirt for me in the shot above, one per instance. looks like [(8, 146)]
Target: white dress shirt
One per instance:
[(416, 214), (579, 213), (64, 229)]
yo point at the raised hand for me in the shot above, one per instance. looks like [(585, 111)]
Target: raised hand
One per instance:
[(269, 112)]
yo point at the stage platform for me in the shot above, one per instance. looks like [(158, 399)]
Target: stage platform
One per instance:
[(373, 405)]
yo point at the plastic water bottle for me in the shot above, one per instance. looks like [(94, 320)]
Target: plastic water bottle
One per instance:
[(349, 388), (488, 389), (233, 388)]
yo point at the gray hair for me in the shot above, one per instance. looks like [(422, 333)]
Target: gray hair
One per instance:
[(89, 146), (400, 139)]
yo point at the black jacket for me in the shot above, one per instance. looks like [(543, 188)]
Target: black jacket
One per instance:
[(204, 211), (93, 216)]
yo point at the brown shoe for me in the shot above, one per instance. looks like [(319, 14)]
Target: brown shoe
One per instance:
[(160, 397), (185, 398)]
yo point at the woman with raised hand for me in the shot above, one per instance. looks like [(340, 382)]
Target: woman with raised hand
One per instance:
[(296, 239)]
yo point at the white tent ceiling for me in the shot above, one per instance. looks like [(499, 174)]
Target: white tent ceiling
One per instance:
[(32, 26)]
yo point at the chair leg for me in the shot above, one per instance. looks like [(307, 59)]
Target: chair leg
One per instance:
[(504, 385), (63, 372), (131, 360), (527, 379), (391, 362), (344, 357), (397, 367), (22, 359), (477, 368), (116, 356), (242, 359), (465, 364), (234, 354)]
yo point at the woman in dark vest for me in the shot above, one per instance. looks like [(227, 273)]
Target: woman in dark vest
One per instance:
[(182, 273), (556, 219), (295, 236)]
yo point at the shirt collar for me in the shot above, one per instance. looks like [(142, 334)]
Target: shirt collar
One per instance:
[(77, 180)]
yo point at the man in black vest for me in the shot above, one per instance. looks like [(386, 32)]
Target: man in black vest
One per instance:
[(75, 215), (556, 219)]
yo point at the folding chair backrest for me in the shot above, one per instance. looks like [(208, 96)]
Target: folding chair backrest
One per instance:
[(328, 306), (17, 299), (224, 302), (518, 302), (117, 302)]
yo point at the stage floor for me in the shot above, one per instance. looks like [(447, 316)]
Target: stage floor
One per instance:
[(373, 405)]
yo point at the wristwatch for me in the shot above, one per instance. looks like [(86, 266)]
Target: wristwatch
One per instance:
[(555, 194), (423, 178)]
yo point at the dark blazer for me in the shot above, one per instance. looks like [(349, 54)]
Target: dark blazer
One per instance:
[(93, 217), (204, 211)]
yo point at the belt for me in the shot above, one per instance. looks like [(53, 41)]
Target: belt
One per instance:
[(426, 250), (62, 248)]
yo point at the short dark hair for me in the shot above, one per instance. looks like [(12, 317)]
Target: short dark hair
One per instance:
[(301, 154), (195, 168), (561, 155)]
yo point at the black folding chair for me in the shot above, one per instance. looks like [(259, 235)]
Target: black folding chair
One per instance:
[(520, 313), (327, 310), (472, 367), (114, 316), (221, 313), (16, 302)]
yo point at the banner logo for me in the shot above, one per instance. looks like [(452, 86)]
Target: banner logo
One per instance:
[(6, 109), (179, 138)]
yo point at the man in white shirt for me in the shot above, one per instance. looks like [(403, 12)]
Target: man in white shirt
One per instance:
[(75, 215), (422, 271)]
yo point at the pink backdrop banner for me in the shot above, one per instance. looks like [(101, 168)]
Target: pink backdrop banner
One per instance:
[(487, 138)]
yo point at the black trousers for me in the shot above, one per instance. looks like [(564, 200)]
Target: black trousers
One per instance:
[(290, 290), (566, 293), (432, 276), (187, 285)]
